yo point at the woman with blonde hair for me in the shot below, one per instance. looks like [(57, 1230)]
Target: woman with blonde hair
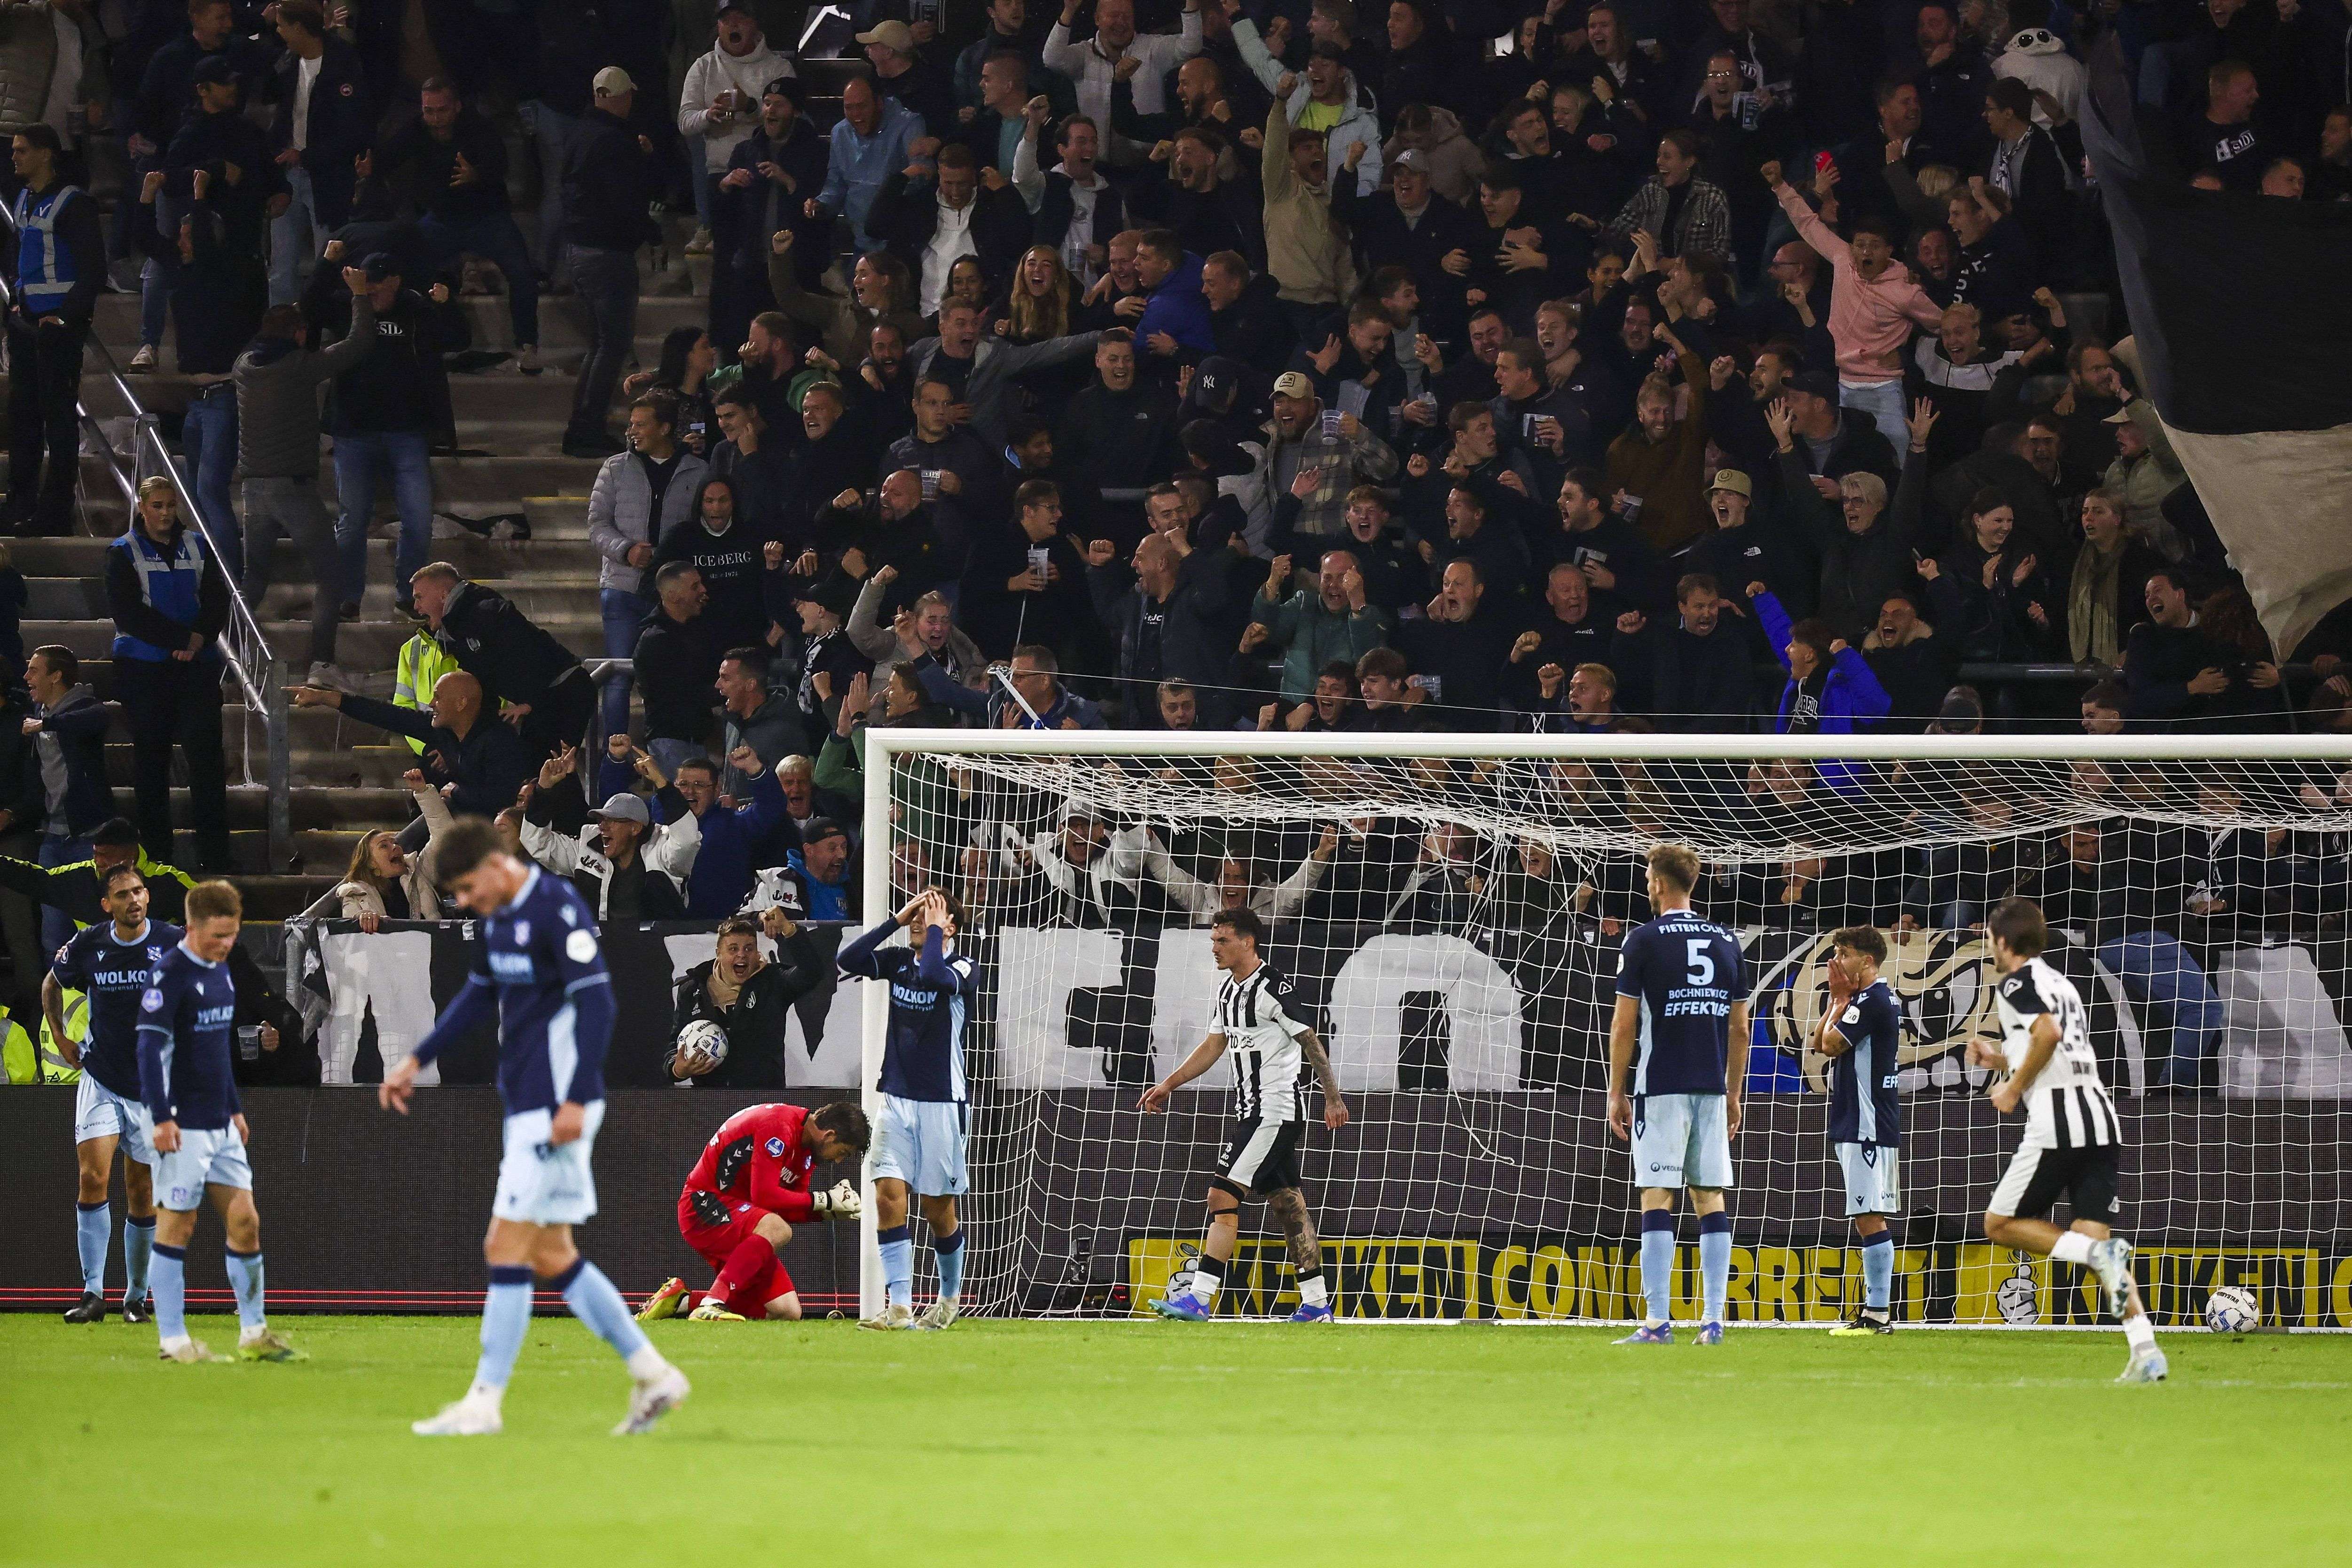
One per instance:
[(385, 882), (1042, 296)]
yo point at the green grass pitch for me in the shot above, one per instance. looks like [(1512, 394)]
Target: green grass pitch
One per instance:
[(1139, 1443)]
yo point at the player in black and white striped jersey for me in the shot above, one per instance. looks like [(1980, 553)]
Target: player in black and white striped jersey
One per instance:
[(1271, 1050), (2073, 1139)]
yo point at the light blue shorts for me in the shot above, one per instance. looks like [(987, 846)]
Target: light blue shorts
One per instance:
[(1873, 1180), (1681, 1141), (548, 1183), (213, 1157), (921, 1142), (99, 1113)]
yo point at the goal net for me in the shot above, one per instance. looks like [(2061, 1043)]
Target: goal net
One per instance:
[(1449, 909)]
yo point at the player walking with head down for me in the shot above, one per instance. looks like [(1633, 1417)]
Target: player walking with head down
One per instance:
[(2073, 1139), (538, 969), (1860, 1033), (919, 1139), (1269, 1047), (1680, 1035)]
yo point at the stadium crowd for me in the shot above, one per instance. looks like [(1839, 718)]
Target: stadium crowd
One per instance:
[(1567, 367)]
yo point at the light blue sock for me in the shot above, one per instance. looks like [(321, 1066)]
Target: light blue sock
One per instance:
[(897, 1267), (93, 1229), (171, 1287), (949, 1250), (1658, 1263), (594, 1303), (245, 1279), (1878, 1270), (1714, 1263), (138, 1245), (506, 1318)]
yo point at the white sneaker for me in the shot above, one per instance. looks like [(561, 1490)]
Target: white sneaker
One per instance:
[(334, 677), (472, 1416), (527, 360), (700, 244), (146, 358), (938, 1314), (2145, 1366), (2111, 1260), (186, 1352), (652, 1399), (897, 1315)]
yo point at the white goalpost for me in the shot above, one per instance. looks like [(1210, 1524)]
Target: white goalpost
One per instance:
[(1449, 909)]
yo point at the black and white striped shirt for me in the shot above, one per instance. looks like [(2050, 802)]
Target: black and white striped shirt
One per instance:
[(2067, 1106), (1262, 1039)]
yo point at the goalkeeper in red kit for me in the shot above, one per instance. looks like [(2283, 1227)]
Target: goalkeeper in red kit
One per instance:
[(750, 1186)]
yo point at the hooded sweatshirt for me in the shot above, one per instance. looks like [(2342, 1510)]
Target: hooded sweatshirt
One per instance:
[(715, 73), (2038, 57)]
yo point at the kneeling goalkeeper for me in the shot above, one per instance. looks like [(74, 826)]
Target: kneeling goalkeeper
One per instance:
[(737, 1208)]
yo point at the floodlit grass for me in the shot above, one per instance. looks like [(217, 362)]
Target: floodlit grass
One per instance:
[(1147, 1443)]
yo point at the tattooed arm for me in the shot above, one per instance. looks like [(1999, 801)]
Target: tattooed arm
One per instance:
[(1335, 1108)]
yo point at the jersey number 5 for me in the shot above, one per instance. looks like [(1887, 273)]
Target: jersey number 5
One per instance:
[(1702, 961)]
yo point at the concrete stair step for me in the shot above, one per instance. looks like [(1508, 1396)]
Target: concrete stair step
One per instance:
[(362, 645), (563, 323)]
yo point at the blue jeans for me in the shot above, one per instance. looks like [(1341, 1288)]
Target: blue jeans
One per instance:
[(1882, 401), (360, 461), (552, 133), (2165, 978), (208, 439), (624, 615), (495, 240), (57, 926), (296, 238), (155, 278)]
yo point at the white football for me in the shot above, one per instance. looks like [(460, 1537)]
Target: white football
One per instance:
[(702, 1045), (2233, 1310)]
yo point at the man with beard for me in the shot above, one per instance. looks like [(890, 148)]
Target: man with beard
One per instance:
[(1696, 676)]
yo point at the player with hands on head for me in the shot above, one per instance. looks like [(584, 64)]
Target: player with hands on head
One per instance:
[(1270, 1050), (919, 1139), (755, 1179), (1861, 1036), (1677, 1058)]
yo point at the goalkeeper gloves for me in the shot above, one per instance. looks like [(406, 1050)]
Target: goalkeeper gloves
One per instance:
[(841, 1203)]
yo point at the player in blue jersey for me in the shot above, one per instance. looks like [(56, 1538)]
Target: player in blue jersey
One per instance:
[(187, 1023), (1677, 1056), (110, 963), (538, 970), (1861, 1033), (919, 1138)]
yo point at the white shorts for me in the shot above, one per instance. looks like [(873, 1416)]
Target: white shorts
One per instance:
[(1874, 1179), (99, 1113), (547, 1184), (214, 1157), (1681, 1141), (921, 1142)]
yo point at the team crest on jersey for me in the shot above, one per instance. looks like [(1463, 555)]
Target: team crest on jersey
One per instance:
[(775, 1148), (522, 933), (152, 1001), (154, 955)]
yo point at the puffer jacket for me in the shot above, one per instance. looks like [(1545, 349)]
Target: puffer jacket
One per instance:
[(717, 72), (620, 513), (424, 891), (28, 59)]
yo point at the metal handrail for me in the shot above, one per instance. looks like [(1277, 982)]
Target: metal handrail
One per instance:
[(243, 645)]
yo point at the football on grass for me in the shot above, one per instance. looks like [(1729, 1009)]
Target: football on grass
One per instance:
[(2233, 1310)]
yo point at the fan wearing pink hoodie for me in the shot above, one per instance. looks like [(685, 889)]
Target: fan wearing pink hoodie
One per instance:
[(1874, 305)]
